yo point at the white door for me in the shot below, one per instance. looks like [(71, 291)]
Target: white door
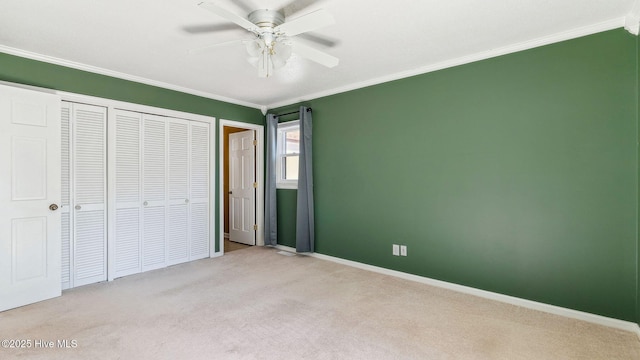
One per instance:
[(30, 194), (242, 193)]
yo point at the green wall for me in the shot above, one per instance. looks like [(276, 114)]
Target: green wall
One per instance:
[(30, 72), (286, 201), (516, 174)]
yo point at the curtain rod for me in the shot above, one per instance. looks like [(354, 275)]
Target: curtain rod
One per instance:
[(291, 113)]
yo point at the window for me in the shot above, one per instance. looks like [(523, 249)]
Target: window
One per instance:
[(287, 155)]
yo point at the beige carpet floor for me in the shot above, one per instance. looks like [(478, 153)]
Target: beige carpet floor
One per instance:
[(257, 304)]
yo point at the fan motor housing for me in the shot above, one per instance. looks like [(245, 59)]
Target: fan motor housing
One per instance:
[(265, 18)]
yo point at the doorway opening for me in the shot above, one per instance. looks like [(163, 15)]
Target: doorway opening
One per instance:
[(241, 179)]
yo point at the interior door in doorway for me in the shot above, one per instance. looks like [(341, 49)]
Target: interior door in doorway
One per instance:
[(30, 194), (242, 191)]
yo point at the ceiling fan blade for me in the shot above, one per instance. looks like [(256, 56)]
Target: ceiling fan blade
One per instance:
[(228, 15), (320, 39), (226, 43), (316, 55), (209, 28), (309, 22)]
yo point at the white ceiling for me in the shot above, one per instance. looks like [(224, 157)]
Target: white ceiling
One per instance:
[(376, 41)]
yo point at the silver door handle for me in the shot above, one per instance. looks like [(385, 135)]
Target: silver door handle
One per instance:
[(53, 207), (78, 207), (186, 201), (145, 203)]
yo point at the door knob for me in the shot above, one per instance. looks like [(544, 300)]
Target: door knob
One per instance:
[(230, 192), (186, 201), (78, 207), (145, 203), (53, 207)]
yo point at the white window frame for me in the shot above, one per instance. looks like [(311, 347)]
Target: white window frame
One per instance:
[(281, 182)]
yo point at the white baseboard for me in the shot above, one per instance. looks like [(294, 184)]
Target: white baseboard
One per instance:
[(552, 309)]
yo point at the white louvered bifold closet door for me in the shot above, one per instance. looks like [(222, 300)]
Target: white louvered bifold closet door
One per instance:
[(84, 252), (199, 189), (154, 192), (126, 194), (178, 214), (160, 190), (89, 193)]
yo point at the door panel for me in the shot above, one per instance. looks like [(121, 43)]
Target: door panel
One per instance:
[(127, 242), (178, 236), (28, 168), (30, 246), (199, 231)]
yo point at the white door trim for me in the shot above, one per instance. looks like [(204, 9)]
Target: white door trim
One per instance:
[(259, 129)]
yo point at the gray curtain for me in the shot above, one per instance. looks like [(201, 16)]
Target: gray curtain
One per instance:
[(305, 227), (270, 209)]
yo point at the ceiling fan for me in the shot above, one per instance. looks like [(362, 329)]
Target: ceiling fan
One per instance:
[(273, 43)]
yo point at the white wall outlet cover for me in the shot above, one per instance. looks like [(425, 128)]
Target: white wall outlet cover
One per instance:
[(396, 250), (403, 250)]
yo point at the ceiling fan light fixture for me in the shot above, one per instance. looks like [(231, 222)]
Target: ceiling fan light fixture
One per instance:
[(268, 56), (271, 48)]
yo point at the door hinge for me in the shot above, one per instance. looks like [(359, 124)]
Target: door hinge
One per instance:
[(255, 185), (255, 227), (255, 142)]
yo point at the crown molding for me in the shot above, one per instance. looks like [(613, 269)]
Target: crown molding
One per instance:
[(632, 20), (547, 40), (97, 70)]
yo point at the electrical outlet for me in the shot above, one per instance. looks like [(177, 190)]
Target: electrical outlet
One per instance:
[(403, 250), (396, 250)]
